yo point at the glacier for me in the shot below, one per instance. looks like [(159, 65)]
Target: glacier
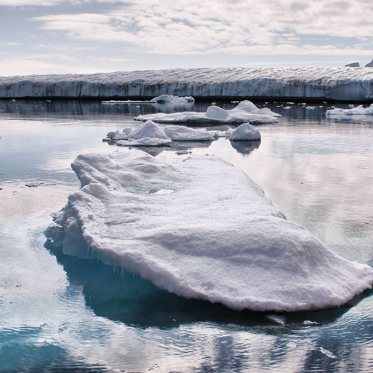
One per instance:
[(201, 228), (313, 83)]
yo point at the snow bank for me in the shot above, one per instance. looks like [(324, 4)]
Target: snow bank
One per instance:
[(213, 235), (244, 112), (360, 110), (245, 132), (277, 83)]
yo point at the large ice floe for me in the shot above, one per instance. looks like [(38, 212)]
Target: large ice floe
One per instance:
[(359, 110), (244, 112), (316, 83), (202, 229)]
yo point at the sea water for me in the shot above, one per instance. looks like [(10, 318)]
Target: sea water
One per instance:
[(61, 313)]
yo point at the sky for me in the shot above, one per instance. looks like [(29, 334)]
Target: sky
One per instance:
[(89, 36)]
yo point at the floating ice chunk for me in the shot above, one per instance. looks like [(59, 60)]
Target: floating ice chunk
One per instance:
[(165, 99), (149, 129), (245, 132), (127, 130), (216, 237), (249, 107), (120, 136), (149, 134), (180, 133), (215, 112), (278, 319), (360, 110), (111, 134), (327, 353), (245, 111), (309, 322)]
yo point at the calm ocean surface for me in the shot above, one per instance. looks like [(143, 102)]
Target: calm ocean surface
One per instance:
[(60, 313)]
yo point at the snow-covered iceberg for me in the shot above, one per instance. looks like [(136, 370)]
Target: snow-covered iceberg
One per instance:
[(359, 110), (244, 112), (200, 228), (181, 133), (149, 134), (315, 83), (245, 132)]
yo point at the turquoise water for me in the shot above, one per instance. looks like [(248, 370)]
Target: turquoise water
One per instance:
[(61, 313)]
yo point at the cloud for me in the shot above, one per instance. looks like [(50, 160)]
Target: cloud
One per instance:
[(195, 27), (41, 64)]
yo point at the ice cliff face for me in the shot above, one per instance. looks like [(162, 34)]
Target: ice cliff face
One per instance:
[(344, 84)]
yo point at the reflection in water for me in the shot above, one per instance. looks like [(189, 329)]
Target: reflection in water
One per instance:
[(232, 341), (121, 296), (245, 147), (45, 108)]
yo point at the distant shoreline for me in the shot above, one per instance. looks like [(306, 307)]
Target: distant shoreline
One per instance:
[(307, 84)]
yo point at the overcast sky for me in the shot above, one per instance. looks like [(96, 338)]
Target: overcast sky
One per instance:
[(87, 36)]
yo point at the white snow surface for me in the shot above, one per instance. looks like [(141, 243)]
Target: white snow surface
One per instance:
[(245, 132), (282, 83), (149, 134), (215, 237), (244, 112), (359, 110), (181, 133)]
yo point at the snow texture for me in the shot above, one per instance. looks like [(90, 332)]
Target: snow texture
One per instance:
[(245, 132), (180, 133), (149, 134), (212, 235), (275, 83), (360, 110), (244, 112)]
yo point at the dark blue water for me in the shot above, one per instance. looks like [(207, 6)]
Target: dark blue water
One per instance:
[(63, 313)]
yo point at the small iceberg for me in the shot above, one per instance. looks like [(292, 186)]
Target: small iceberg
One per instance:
[(149, 134), (244, 112), (245, 132), (215, 237), (170, 99), (359, 110)]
